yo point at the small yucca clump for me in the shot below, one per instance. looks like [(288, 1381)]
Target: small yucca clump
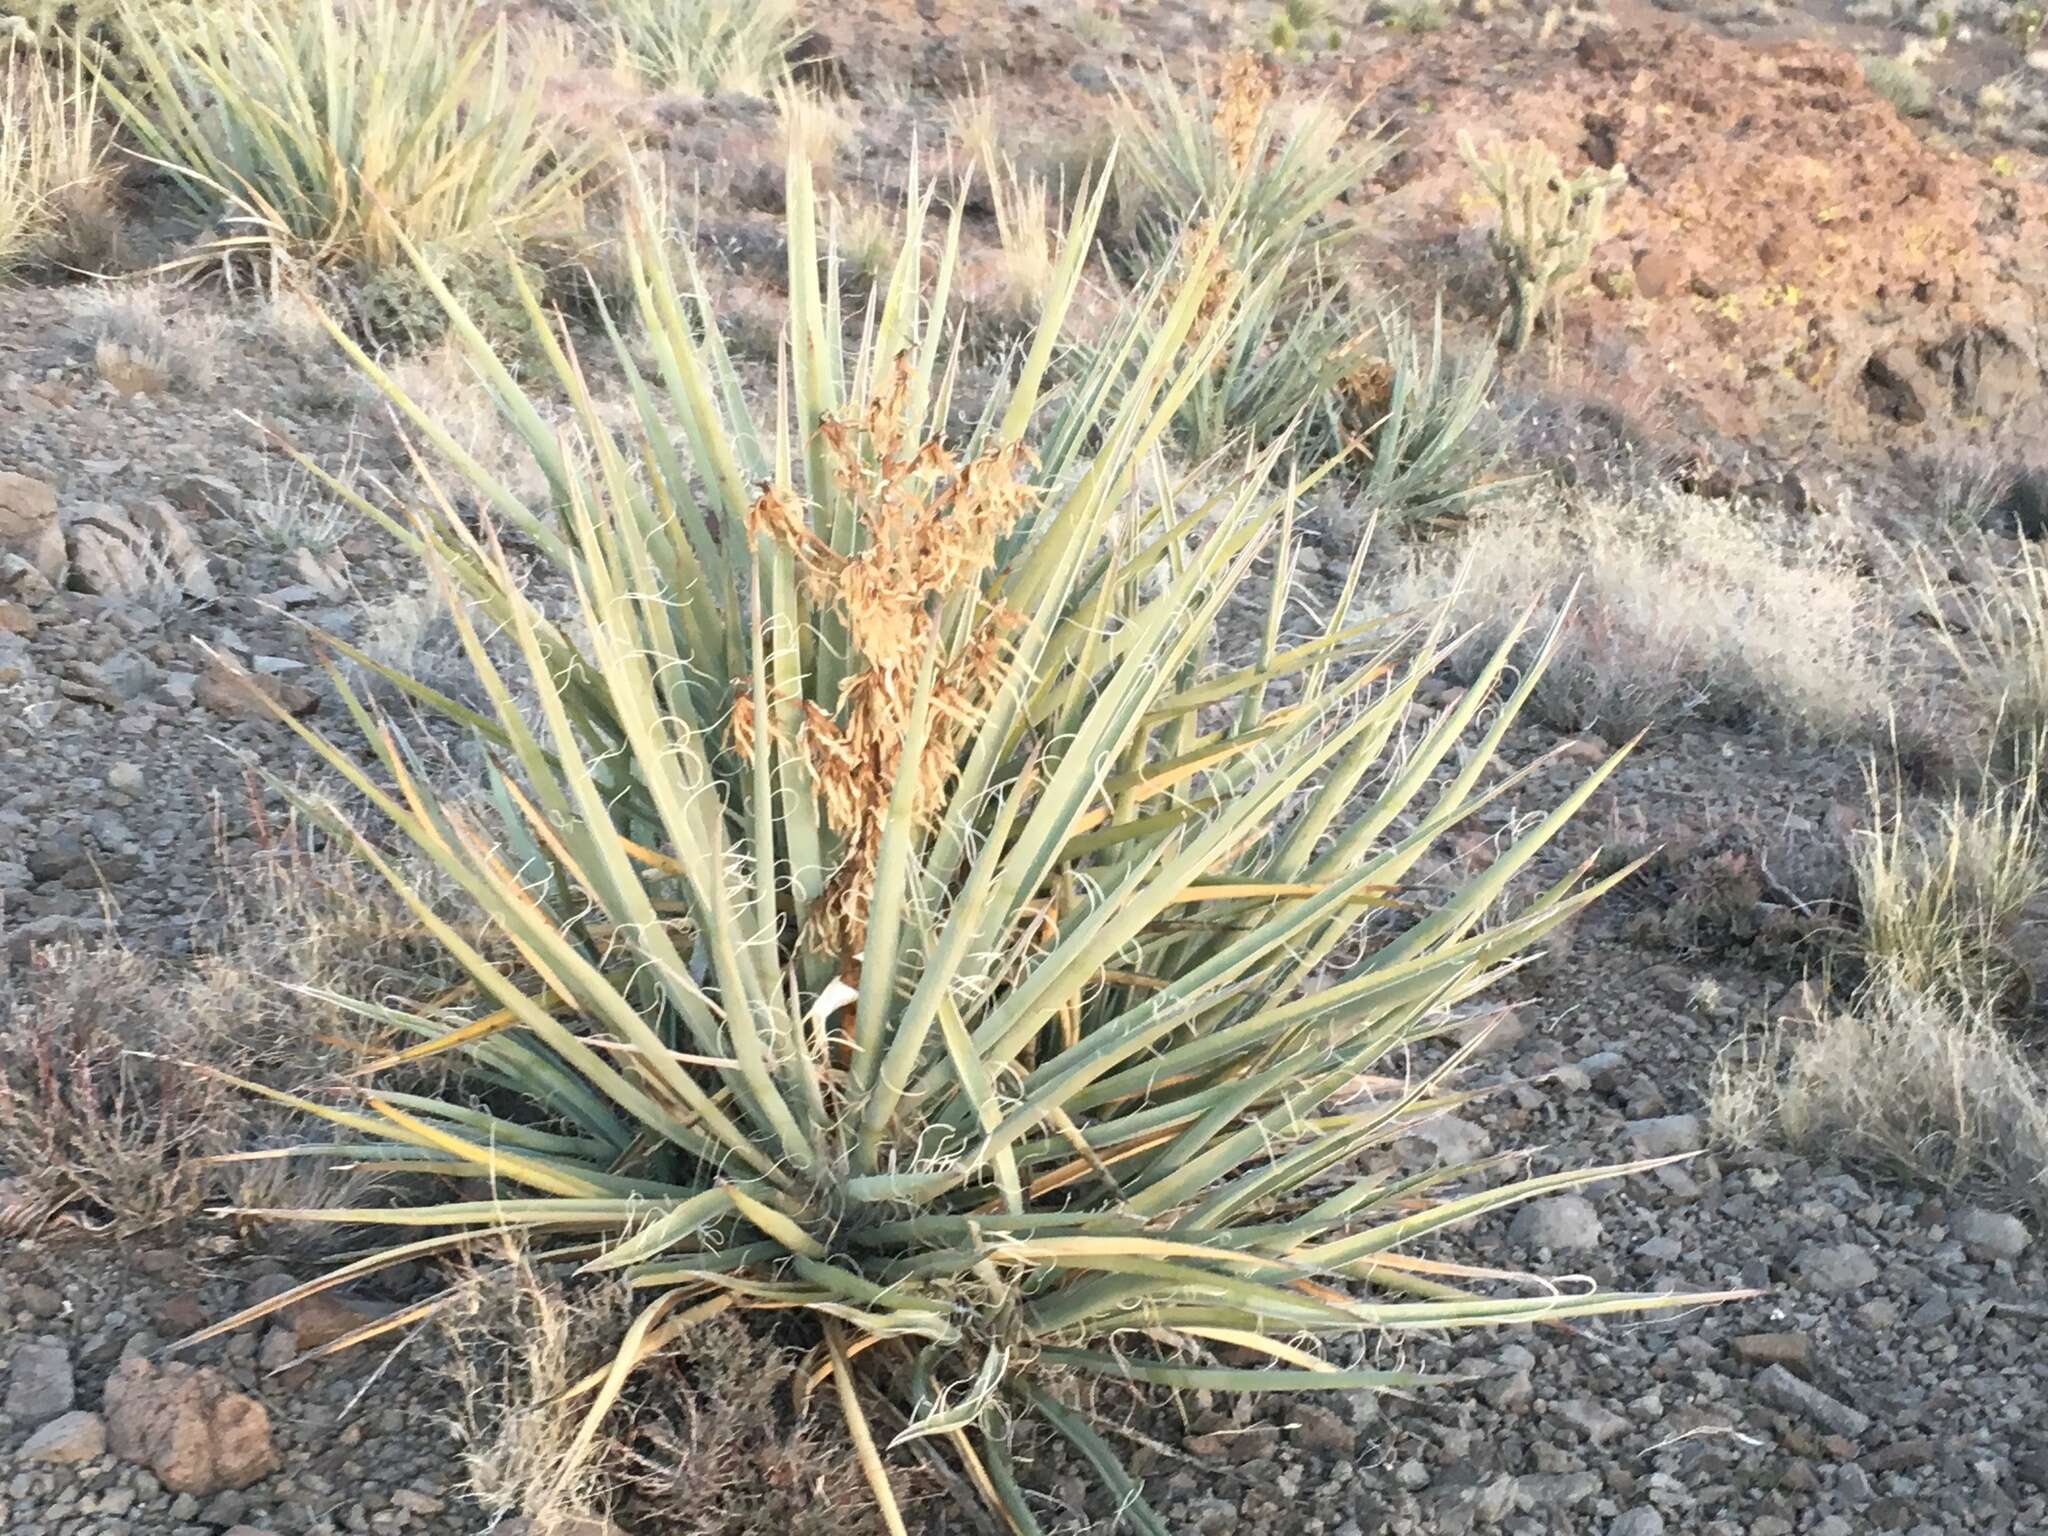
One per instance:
[(888, 919), (1269, 169), (704, 46), (338, 135)]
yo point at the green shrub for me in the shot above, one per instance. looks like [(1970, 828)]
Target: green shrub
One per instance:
[(886, 917), (1900, 81), (1549, 223), (336, 135)]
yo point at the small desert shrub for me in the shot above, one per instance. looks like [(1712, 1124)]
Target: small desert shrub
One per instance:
[(905, 918), (1900, 81), (334, 135), (703, 46), (1269, 169), (1416, 17), (1685, 607), (92, 1122), (147, 337), (707, 1443), (56, 175), (1547, 225), (1932, 1088)]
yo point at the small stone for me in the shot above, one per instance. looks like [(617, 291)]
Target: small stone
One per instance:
[(1597, 1423), (1562, 1223), (70, 1437), (1836, 1267), (1660, 273), (28, 525), (1667, 1135), (1991, 1235), (1781, 1389), (1642, 1521), (1793, 1349), (1315, 1429), (1901, 1456), (226, 690), (41, 1385), (188, 1425)]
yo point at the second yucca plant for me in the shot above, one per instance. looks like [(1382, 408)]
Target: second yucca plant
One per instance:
[(336, 135), (892, 918)]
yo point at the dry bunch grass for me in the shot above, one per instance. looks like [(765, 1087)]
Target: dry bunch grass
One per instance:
[(710, 1443), (56, 172), (1684, 607), (113, 1102), (1931, 1089), (1921, 1071)]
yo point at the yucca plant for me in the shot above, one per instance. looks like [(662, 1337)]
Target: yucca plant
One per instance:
[(1301, 364), (336, 135), (892, 915), (704, 46), (1231, 146)]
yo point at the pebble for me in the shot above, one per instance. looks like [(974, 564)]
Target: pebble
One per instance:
[(1561, 1223), (1836, 1267), (69, 1437), (40, 1385), (1781, 1389), (1992, 1234)]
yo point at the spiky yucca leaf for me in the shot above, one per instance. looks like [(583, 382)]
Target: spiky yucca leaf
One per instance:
[(338, 134), (892, 919)]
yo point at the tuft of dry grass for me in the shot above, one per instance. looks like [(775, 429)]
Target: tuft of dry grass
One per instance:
[(1675, 607), (1944, 900), (56, 172), (867, 236), (1931, 1089), (95, 1125), (709, 1443), (812, 125), (145, 341), (1919, 1071), (114, 1111), (1027, 248), (2001, 646)]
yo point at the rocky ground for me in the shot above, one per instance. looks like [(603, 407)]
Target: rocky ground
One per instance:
[(1810, 300)]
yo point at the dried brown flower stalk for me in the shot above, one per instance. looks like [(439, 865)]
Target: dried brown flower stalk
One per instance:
[(931, 526), (1245, 96)]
